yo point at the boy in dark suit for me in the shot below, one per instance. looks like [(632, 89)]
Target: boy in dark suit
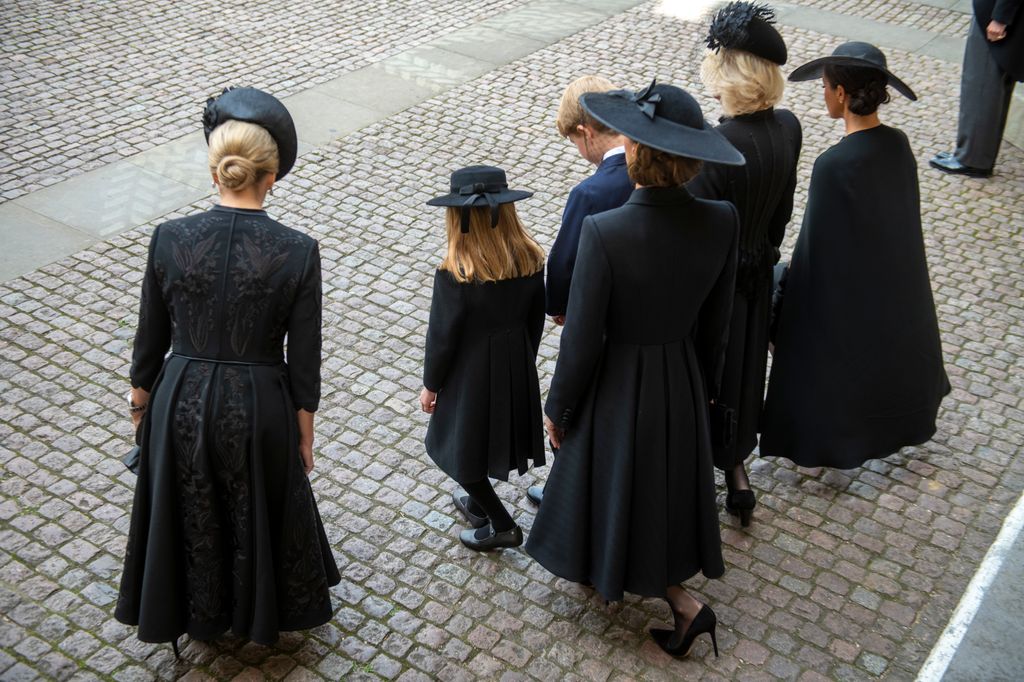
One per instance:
[(609, 187)]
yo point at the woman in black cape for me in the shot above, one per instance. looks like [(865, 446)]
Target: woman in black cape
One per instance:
[(742, 71), (225, 532), (857, 371), (630, 505)]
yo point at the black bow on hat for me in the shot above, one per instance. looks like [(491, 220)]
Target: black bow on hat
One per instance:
[(662, 117), (479, 186), (263, 109)]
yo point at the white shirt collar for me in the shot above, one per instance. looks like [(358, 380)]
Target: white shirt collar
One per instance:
[(613, 151)]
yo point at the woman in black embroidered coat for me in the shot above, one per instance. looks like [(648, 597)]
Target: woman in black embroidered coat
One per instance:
[(480, 371), (742, 72), (630, 502), (225, 532), (857, 371)]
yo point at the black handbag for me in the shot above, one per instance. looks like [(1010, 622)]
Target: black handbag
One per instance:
[(131, 460), (723, 426)]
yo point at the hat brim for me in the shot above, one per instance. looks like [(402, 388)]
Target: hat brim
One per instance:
[(625, 117), (815, 68), (458, 200)]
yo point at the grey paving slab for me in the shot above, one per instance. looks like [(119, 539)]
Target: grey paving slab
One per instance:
[(546, 20), (991, 649), (946, 48), (955, 5), (30, 238), (183, 160), (488, 44), (374, 88), (1014, 132), (320, 118), (429, 66), (110, 199), (853, 27)]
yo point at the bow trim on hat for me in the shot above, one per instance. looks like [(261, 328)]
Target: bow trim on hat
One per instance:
[(645, 99), (476, 191)]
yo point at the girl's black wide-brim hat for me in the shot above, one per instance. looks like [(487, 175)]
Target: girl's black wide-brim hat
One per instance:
[(478, 186), (263, 109), (854, 53), (662, 117)]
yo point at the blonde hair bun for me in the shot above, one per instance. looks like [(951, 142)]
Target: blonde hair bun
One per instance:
[(241, 153)]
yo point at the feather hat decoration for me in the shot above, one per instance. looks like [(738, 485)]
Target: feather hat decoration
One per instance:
[(747, 26)]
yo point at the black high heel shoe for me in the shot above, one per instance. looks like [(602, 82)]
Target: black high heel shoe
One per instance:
[(678, 642), (741, 503)]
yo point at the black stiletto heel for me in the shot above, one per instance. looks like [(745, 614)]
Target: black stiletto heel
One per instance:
[(678, 642), (174, 645)]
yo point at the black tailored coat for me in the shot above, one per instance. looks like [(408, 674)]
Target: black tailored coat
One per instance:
[(857, 371), (1008, 52), (224, 531), (481, 359), (630, 501), (762, 192)]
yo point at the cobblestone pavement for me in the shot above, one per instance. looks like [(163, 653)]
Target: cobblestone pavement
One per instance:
[(86, 83), (843, 575)]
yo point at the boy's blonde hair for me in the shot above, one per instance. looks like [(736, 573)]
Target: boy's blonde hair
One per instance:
[(486, 254), (743, 82), (571, 114)]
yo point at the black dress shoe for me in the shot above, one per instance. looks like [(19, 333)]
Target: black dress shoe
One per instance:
[(491, 540), (535, 494), (461, 500), (950, 164)]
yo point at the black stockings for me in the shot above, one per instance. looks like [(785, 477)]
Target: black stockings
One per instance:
[(484, 500)]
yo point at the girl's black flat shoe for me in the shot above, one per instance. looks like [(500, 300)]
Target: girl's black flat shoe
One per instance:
[(492, 540), (461, 500), (741, 503), (678, 642)]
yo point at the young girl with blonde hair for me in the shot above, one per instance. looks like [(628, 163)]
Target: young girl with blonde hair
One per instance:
[(480, 373)]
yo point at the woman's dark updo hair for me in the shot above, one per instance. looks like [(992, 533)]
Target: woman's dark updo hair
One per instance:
[(864, 86)]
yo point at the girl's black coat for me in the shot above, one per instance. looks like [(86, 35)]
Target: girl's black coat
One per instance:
[(857, 372), (481, 359), (630, 501)]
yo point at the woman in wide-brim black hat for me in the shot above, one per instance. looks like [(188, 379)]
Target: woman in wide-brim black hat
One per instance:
[(225, 532), (742, 70), (630, 501), (857, 371)]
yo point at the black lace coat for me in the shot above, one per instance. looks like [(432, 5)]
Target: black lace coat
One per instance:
[(225, 532)]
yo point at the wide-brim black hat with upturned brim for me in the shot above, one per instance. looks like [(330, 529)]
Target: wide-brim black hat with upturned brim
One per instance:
[(864, 55), (263, 109), (662, 117), (477, 187)]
